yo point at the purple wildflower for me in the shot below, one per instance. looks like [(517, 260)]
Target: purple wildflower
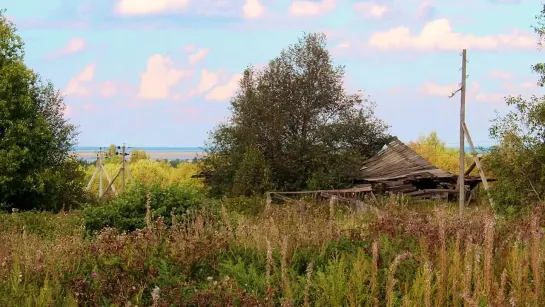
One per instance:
[(94, 274)]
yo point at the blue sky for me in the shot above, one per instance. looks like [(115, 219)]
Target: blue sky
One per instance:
[(161, 72)]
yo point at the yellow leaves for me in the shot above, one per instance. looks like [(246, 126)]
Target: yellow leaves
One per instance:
[(150, 172), (434, 150)]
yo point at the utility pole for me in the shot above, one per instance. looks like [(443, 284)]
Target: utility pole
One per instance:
[(461, 181), (464, 133), (100, 173), (123, 168)]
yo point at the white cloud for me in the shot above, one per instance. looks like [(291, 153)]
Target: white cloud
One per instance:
[(75, 45), (208, 80), (311, 8), (189, 48), (226, 91), (433, 89), (439, 35), (475, 94), (426, 9), (198, 56), (502, 75), (145, 7), (369, 9), (77, 85), (160, 76), (108, 89), (253, 9), (343, 45)]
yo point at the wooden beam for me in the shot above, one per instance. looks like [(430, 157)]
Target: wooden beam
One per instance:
[(92, 179), (354, 190), (461, 183), (470, 169), (478, 163), (431, 191), (110, 182), (359, 204)]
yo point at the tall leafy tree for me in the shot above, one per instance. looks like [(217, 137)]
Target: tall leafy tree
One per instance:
[(36, 168), (295, 121), (518, 162)]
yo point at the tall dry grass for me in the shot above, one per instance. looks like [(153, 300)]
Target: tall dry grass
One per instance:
[(404, 257)]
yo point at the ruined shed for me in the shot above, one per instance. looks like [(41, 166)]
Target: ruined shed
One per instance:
[(397, 169)]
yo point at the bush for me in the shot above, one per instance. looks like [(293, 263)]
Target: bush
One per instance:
[(251, 206), (128, 211)]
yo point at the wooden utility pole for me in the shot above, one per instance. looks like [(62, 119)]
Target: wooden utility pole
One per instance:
[(464, 133), (461, 181), (100, 173), (100, 170), (122, 169)]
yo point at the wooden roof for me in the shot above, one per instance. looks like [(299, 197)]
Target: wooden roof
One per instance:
[(397, 161)]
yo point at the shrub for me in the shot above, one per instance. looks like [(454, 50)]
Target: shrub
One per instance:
[(128, 211)]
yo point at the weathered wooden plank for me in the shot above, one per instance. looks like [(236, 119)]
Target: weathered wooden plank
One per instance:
[(431, 191), (367, 188)]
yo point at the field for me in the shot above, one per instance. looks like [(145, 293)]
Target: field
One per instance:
[(164, 242), (236, 252), (228, 256)]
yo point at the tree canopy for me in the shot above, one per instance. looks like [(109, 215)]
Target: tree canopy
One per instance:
[(293, 126), (518, 162), (36, 168)]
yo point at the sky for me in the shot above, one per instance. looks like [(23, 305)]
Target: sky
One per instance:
[(161, 72)]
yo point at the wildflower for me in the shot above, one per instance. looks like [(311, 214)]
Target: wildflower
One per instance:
[(209, 278), (94, 274)]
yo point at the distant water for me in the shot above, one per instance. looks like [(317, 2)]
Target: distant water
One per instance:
[(156, 153), (147, 149)]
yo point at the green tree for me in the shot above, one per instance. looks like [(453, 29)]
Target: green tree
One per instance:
[(294, 115), (111, 156), (139, 155), (37, 169), (518, 162), (539, 29), (252, 175)]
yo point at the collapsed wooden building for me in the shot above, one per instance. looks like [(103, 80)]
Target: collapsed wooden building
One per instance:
[(397, 169)]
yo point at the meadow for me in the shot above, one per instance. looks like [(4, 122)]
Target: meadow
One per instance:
[(165, 243)]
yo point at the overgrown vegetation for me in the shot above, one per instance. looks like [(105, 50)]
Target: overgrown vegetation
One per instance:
[(165, 242), (405, 257)]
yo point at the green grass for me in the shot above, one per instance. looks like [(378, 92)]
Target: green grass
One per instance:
[(423, 256)]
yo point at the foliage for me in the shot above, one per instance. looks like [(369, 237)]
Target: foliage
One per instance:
[(149, 173), (437, 153), (405, 257), (295, 122), (539, 29), (517, 162), (36, 168), (137, 154), (127, 212)]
